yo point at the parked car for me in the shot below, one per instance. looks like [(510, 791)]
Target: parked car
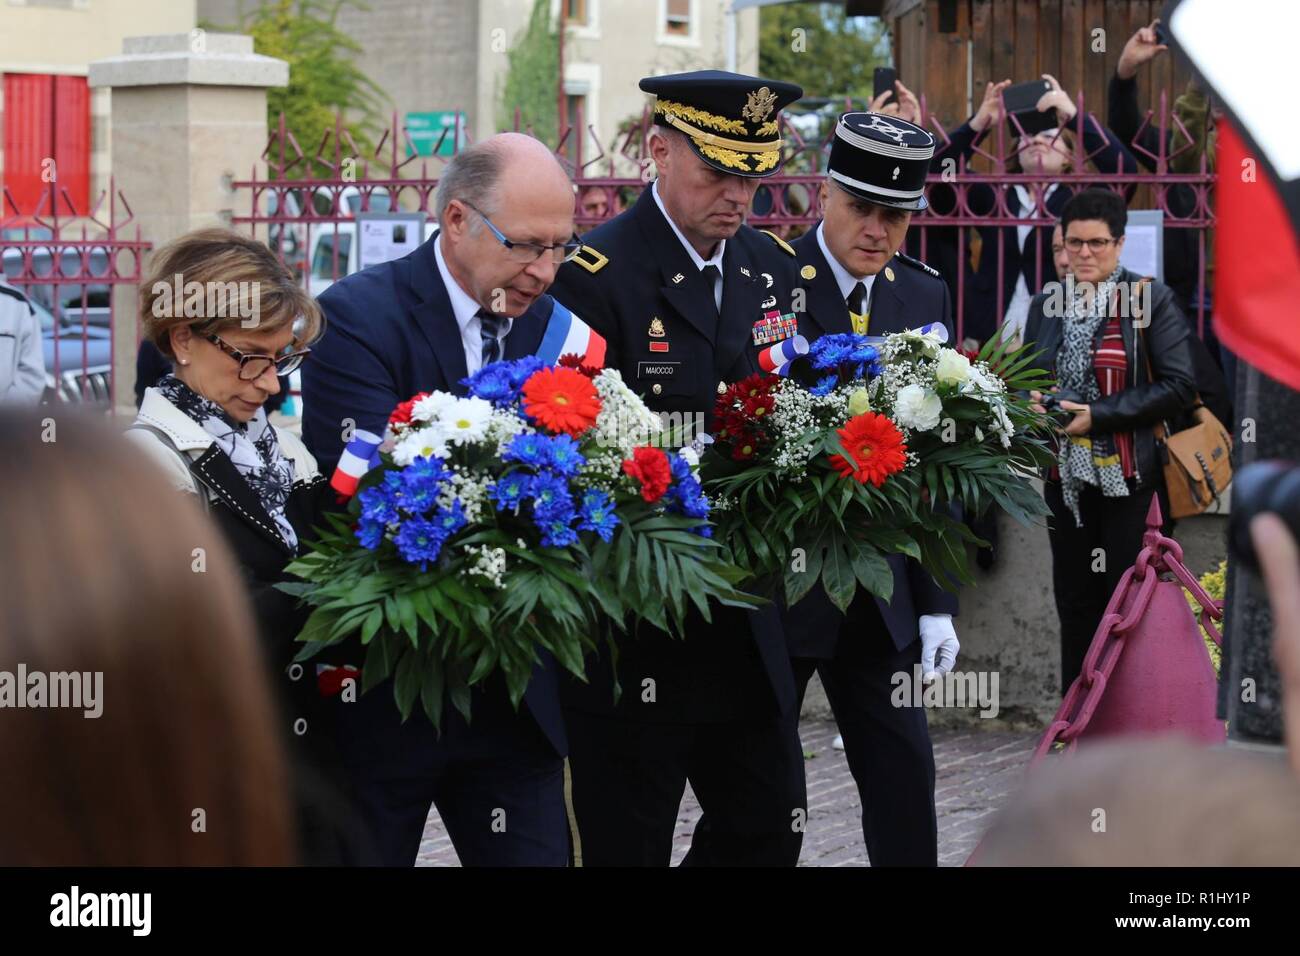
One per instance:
[(78, 360)]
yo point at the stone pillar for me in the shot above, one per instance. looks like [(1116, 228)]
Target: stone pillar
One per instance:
[(1267, 410), (188, 118)]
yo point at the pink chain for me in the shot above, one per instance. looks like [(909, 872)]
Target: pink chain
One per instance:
[(1159, 553)]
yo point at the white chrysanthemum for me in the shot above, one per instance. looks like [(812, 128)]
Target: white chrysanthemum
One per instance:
[(427, 442), (465, 420), (953, 368), (918, 408), (429, 408), (691, 457)]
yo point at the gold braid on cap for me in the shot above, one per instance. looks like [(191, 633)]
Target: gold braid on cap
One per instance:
[(767, 129), (700, 117), (734, 160)]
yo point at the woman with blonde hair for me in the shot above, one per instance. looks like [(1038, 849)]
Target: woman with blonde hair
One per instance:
[(233, 320)]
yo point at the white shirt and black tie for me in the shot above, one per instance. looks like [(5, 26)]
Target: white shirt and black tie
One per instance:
[(855, 292), (482, 332), (711, 267)]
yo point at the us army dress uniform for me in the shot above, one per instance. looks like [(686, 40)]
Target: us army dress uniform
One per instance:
[(717, 707), (884, 160)]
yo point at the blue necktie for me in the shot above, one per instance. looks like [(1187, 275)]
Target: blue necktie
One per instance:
[(490, 325)]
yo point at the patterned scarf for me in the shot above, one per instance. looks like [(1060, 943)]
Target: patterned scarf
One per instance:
[(1087, 459), (253, 449)]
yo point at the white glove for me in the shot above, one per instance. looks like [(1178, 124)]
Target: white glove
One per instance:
[(937, 637)]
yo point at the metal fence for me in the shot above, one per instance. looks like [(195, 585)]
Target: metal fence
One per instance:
[(68, 262), (310, 219)]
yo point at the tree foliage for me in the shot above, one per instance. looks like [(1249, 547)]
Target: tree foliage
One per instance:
[(324, 79), (817, 46), (531, 78)]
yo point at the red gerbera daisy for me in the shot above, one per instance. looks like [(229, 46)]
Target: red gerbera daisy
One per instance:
[(650, 467), (876, 448), (562, 400)]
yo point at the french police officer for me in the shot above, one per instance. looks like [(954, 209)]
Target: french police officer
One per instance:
[(856, 280), (686, 296)]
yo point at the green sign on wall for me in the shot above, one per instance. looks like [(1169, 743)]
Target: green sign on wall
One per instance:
[(425, 129)]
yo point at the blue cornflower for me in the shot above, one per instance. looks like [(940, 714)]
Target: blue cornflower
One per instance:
[(825, 385), (563, 455), (830, 351), (687, 497), (449, 520), (420, 541), (508, 491), (522, 369), (370, 533), (681, 468), (558, 533), (597, 514), (377, 504), (703, 530), (551, 496), (862, 352), (529, 449), (421, 481), (493, 383)]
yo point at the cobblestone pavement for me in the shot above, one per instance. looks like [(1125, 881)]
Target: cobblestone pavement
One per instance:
[(976, 770)]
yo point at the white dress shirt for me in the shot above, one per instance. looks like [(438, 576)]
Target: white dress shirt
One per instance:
[(1017, 314), (466, 311), (699, 261), (843, 278)]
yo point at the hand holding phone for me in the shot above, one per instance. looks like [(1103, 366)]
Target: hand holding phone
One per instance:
[(883, 82)]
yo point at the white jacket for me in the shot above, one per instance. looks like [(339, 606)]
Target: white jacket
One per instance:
[(189, 438)]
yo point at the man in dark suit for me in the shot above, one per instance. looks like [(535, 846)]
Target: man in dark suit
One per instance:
[(471, 295), (854, 279), (687, 296)]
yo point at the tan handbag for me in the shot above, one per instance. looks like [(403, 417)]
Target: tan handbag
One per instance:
[(1197, 460)]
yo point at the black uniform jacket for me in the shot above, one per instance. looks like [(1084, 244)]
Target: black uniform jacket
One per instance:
[(636, 285)]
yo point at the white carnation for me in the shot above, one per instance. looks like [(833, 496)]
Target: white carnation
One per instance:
[(918, 408), (953, 368)]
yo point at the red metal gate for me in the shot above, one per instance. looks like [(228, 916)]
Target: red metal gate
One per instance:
[(68, 260)]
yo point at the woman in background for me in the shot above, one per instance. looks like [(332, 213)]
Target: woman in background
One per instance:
[(107, 573)]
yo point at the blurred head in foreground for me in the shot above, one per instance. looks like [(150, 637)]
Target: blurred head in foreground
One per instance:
[(163, 753), (1161, 802)]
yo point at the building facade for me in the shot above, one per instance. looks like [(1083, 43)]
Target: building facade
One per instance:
[(442, 56), (55, 128)]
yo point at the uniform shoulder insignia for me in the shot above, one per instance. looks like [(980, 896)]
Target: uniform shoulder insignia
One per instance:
[(591, 260), (788, 249), (917, 264)]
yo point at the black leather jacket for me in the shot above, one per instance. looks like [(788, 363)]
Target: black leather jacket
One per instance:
[(1143, 402)]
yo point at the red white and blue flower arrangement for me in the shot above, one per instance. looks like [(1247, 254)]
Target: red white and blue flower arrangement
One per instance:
[(524, 516), (855, 447)]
